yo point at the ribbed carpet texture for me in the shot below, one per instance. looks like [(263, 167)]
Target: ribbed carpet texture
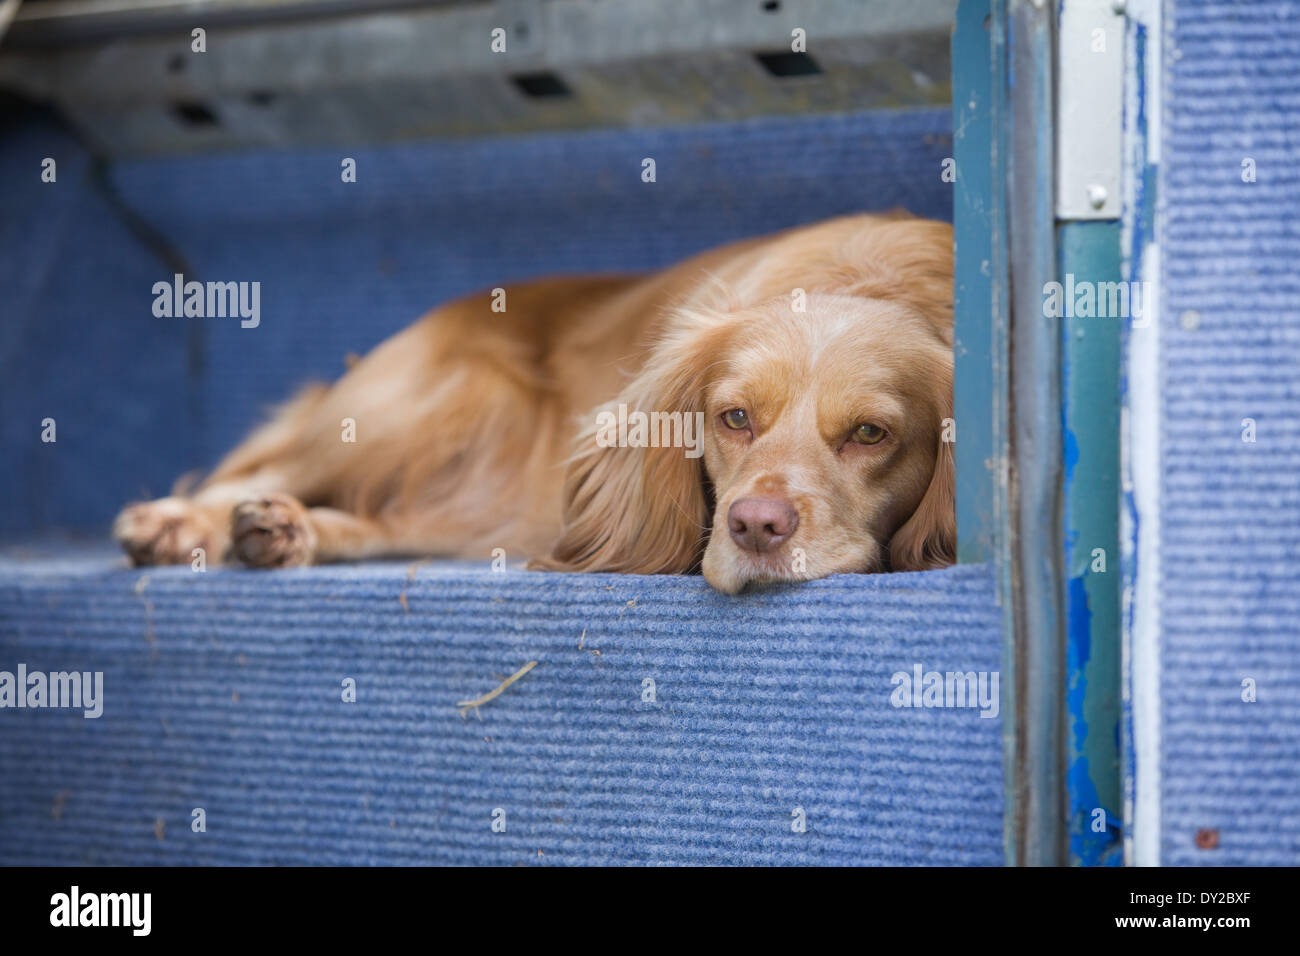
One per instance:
[(1230, 336), (662, 723)]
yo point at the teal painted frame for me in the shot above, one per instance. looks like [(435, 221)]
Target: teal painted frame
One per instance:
[(981, 342), (1061, 660), (1089, 256), (980, 319)]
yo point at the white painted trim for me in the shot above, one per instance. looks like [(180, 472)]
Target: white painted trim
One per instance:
[(1142, 597), (1141, 468)]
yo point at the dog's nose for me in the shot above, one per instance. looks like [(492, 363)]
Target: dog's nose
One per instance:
[(761, 524)]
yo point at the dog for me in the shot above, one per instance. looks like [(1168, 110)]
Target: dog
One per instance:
[(798, 388)]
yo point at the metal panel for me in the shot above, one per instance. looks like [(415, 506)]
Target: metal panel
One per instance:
[(383, 75), (1089, 104)]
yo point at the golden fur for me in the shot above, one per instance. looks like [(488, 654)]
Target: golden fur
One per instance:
[(465, 424)]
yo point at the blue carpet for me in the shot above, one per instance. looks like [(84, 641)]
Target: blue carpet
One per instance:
[(79, 344), (223, 691), (1231, 509)]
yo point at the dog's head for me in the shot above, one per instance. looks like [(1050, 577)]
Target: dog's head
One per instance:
[(823, 444)]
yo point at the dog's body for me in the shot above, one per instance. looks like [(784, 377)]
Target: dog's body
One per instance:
[(464, 425)]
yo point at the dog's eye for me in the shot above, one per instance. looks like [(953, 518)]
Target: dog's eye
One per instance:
[(868, 434), (736, 418)]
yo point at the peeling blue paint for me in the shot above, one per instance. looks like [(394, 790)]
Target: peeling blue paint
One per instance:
[(1080, 624), (1071, 454)]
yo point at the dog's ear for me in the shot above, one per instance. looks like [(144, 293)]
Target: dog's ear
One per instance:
[(908, 261), (644, 510), (928, 539)]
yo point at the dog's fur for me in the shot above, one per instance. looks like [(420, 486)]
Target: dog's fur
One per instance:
[(465, 424)]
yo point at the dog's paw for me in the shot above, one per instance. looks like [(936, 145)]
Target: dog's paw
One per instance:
[(165, 531), (272, 532)]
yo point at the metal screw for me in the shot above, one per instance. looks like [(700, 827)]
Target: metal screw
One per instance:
[(1189, 320), (1119, 7), (1097, 196)]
